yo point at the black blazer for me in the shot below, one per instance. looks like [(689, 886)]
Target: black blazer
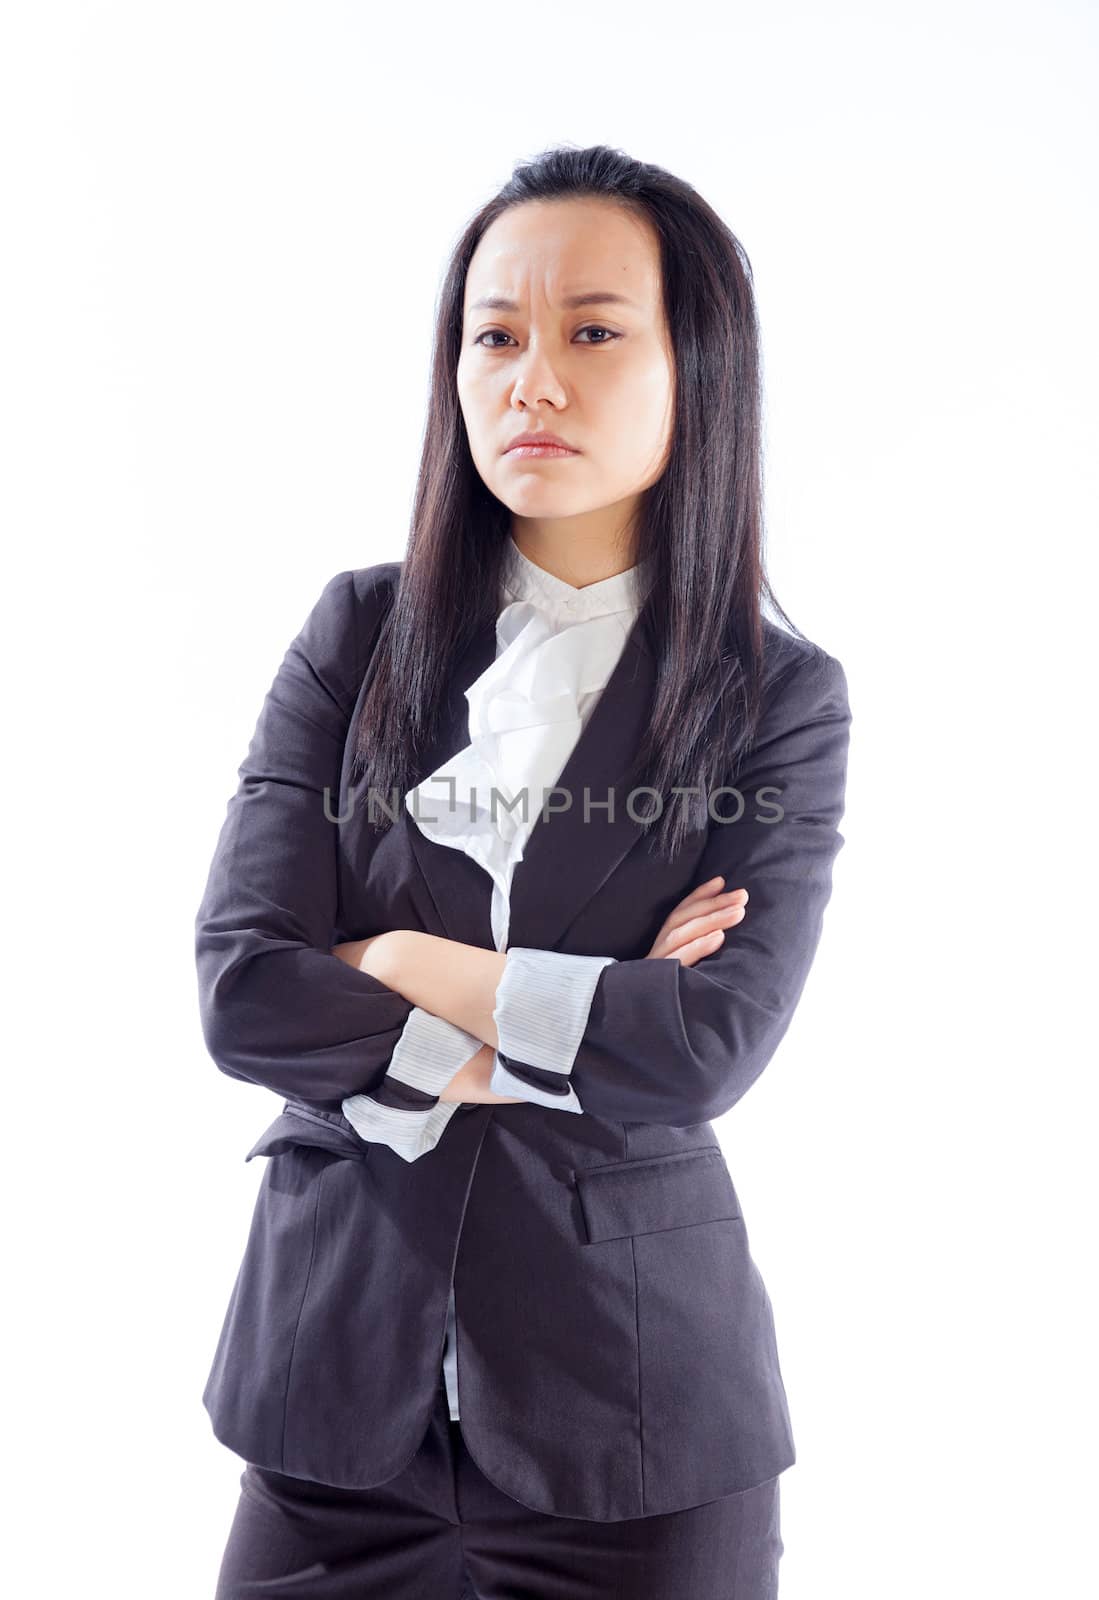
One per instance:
[(616, 1346)]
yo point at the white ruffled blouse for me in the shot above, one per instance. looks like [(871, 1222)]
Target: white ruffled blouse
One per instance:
[(556, 647)]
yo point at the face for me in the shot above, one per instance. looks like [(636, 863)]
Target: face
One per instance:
[(600, 375)]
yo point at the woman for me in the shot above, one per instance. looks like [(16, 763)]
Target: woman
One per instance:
[(497, 827)]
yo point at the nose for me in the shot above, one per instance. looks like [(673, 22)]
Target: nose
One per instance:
[(535, 380)]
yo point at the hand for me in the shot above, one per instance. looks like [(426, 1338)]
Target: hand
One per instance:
[(470, 1083), (696, 927)]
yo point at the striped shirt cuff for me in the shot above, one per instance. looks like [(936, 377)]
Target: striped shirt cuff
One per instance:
[(410, 1134), (542, 1005), (430, 1051), (405, 1111)]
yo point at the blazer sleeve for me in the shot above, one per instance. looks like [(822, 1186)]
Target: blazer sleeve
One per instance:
[(276, 1007), (678, 1045)]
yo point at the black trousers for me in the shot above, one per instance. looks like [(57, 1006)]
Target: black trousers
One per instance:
[(441, 1531)]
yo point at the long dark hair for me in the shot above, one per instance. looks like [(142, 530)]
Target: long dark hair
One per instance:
[(701, 522)]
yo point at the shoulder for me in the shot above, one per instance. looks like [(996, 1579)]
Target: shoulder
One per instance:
[(371, 592), (788, 658), (374, 587), (343, 625), (796, 669), (359, 597), (360, 593)]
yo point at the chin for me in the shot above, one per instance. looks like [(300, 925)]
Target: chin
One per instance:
[(533, 499)]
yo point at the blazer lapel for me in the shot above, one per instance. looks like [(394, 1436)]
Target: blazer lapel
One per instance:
[(566, 859)]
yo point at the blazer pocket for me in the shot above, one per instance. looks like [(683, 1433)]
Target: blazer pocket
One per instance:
[(299, 1126), (660, 1192)]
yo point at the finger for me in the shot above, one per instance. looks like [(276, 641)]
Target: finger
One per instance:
[(737, 902), (711, 886), (698, 928), (693, 902), (697, 948), (685, 924)]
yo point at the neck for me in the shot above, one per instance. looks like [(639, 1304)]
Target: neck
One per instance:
[(574, 549)]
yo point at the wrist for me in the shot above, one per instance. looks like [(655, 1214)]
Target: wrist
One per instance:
[(471, 1083)]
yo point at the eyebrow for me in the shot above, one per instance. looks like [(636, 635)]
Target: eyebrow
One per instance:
[(593, 297)]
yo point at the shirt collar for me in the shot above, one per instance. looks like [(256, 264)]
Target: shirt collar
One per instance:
[(524, 579)]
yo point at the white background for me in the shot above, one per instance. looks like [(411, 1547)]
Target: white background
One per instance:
[(225, 228)]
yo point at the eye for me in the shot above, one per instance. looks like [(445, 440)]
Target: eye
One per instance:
[(591, 327)]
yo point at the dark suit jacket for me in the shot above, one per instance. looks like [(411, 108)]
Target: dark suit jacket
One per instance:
[(616, 1346)]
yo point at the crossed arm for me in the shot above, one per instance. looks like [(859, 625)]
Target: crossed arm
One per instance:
[(453, 980), (455, 989), (456, 982), (279, 1010)]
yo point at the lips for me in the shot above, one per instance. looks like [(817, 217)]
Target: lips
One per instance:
[(539, 441)]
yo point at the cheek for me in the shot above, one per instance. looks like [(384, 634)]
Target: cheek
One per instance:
[(654, 385), (474, 405), (658, 399), (640, 388), (466, 401), (643, 408), (479, 398)]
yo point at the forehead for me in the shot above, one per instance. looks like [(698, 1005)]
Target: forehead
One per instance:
[(575, 252)]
